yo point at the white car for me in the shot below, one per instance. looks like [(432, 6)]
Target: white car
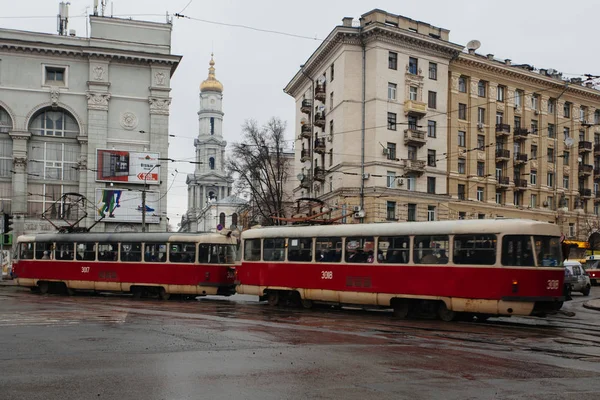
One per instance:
[(577, 277)]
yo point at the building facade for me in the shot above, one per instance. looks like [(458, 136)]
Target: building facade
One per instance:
[(85, 115), (371, 106)]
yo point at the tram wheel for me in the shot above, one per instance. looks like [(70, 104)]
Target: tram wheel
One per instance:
[(306, 303), (273, 298), (444, 313), (162, 294), (136, 292), (401, 309), (44, 287)]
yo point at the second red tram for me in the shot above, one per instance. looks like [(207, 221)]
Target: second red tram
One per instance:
[(141, 263), (475, 267)]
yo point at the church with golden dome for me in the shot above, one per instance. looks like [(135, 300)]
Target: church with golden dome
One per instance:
[(209, 183)]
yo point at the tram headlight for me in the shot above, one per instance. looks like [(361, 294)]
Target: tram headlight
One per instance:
[(515, 286)]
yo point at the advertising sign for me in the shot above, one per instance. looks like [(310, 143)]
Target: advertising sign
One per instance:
[(127, 166), (122, 205)]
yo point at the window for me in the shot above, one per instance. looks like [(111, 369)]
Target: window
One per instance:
[(571, 230), (461, 192), (430, 249), (299, 249), (6, 122), (211, 163), (433, 71), (518, 98), (431, 129), (517, 122), (331, 73), (480, 196), (184, 252), (550, 179), (567, 133), (55, 76), (533, 201), (54, 123), (461, 166), (432, 99), (222, 219), (534, 127), (499, 117), (252, 249), (582, 114), (65, 251), (53, 160), (550, 155), (274, 249), (517, 251), (412, 153), (413, 66), (411, 183), (328, 249), (107, 251), (462, 111), (581, 136), (392, 60), (462, 84), (212, 125), (413, 92), (534, 150), (551, 131), (481, 89), (481, 142), (550, 201), (430, 213), (360, 249), (391, 148), (566, 157), (535, 102), (331, 157), (431, 185), (391, 179), (392, 91), (391, 121), (394, 250), (43, 251), (132, 252), (567, 110), (551, 106), (498, 197), (390, 211), (475, 249), (431, 158), (461, 138), (533, 177), (412, 212), (500, 93), (331, 101), (462, 215), (480, 168), (87, 251), (481, 115), (566, 182), (597, 117), (412, 122)]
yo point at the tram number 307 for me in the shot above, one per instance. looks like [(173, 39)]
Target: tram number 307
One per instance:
[(552, 284), (85, 270), (326, 274)]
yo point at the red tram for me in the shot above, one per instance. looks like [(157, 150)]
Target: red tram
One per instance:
[(141, 263), (476, 267)]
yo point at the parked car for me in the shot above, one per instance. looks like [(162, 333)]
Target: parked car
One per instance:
[(577, 278)]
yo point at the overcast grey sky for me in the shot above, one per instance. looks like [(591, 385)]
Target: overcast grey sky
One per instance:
[(255, 66)]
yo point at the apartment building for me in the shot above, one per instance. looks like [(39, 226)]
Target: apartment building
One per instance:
[(371, 106)]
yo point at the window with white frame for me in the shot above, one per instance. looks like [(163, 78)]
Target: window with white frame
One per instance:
[(411, 183), (533, 178), (59, 123), (6, 196), (43, 197), (498, 197), (533, 201), (55, 75), (566, 182), (6, 156), (480, 196), (413, 92), (500, 93), (461, 166), (461, 138), (431, 129), (462, 84), (535, 102), (392, 87), (391, 179), (481, 86), (518, 98), (6, 123), (391, 210), (53, 161), (571, 229), (551, 106), (430, 213), (481, 115), (432, 71)]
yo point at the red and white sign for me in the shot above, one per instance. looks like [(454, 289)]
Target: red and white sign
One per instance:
[(127, 167)]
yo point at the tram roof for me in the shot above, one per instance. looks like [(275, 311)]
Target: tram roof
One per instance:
[(478, 226), (210, 237)]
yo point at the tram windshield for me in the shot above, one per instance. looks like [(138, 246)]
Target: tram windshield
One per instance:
[(548, 251)]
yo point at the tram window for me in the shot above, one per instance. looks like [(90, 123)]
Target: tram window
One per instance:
[(328, 249), (26, 251), (393, 249), (182, 252), (85, 251), (217, 254), (300, 249), (475, 249), (274, 249), (43, 251), (155, 252), (64, 251), (548, 251), (360, 249), (107, 251), (430, 250), (517, 251), (131, 252), (252, 249)]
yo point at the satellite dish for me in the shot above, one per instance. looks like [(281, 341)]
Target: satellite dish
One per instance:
[(568, 142), (300, 176), (321, 80), (473, 45), (579, 159)]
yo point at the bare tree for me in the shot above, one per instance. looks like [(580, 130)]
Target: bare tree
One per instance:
[(261, 169)]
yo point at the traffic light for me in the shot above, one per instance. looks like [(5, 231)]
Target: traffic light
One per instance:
[(8, 221)]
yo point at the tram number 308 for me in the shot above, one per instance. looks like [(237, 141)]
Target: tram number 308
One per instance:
[(326, 274), (552, 284)]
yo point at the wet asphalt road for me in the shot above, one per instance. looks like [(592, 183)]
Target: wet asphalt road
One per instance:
[(112, 347)]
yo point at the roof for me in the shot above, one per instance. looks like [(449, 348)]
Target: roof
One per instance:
[(128, 237)]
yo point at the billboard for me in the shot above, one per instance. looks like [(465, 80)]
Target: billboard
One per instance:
[(127, 167), (122, 205)]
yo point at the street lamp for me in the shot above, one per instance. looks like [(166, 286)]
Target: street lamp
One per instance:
[(144, 198)]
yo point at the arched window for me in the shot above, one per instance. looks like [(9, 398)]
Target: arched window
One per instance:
[(222, 219), (211, 163), (234, 218), (6, 123), (49, 122)]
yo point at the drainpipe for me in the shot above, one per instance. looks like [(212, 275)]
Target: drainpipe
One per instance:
[(362, 133)]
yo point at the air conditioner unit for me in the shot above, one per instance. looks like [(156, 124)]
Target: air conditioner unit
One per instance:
[(359, 214), (400, 182), (480, 126), (357, 208), (366, 176), (385, 151)]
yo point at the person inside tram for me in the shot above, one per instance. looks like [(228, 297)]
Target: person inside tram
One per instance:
[(45, 255), (370, 257), (443, 259), (428, 257)]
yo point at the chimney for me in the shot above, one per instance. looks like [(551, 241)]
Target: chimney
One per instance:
[(589, 84), (543, 72), (471, 51), (490, 56), (507, 61), (347, 21)]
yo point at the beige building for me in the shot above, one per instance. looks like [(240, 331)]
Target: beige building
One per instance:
[(371, 106)]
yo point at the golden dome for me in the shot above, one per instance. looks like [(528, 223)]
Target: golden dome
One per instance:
[(211, 84)]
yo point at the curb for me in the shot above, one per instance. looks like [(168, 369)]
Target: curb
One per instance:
[(592, 305)]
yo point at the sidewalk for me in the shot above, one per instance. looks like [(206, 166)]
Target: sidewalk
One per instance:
[(592, 304)]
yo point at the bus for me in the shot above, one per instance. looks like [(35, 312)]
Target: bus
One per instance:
[(454, 269), (144, 264)]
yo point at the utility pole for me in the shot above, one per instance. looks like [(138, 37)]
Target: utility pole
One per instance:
[(144, 198)]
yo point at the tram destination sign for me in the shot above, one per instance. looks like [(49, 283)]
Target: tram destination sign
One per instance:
[(127, 167), (122, 205)]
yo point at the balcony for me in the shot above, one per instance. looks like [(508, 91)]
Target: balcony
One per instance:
[(304, 155), (597, 195), (319, 174), (306, 131), (520, 158), (320, 146), (502, 155), (596, 174), (585, 147), (585, 193), (305, 183), (416, 108), (520, 184), (586, 169), (306, 106), (521, 133), (320, 119), (417, 166), (502, 129), (503, 182), (414, 137), (320, 92), (597, 149)]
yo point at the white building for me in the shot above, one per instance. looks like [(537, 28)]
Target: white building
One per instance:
[(63, 99)]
